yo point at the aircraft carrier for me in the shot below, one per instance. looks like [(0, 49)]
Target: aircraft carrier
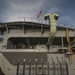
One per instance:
[(37, 47)]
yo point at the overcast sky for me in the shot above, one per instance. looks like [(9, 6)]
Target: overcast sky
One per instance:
[(11, 9)]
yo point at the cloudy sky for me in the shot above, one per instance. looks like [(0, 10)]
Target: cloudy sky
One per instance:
[(10, 10)]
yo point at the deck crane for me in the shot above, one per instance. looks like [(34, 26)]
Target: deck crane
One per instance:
[(69, 47)]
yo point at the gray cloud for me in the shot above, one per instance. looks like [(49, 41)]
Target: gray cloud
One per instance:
[(11, 9), (21, 8), (28, 8)]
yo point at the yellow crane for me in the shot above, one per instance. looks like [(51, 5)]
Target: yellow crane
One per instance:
[(69, 47)]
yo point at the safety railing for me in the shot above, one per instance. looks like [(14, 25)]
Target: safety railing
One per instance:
[(66, 25), (29, 19), (42, 21)]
